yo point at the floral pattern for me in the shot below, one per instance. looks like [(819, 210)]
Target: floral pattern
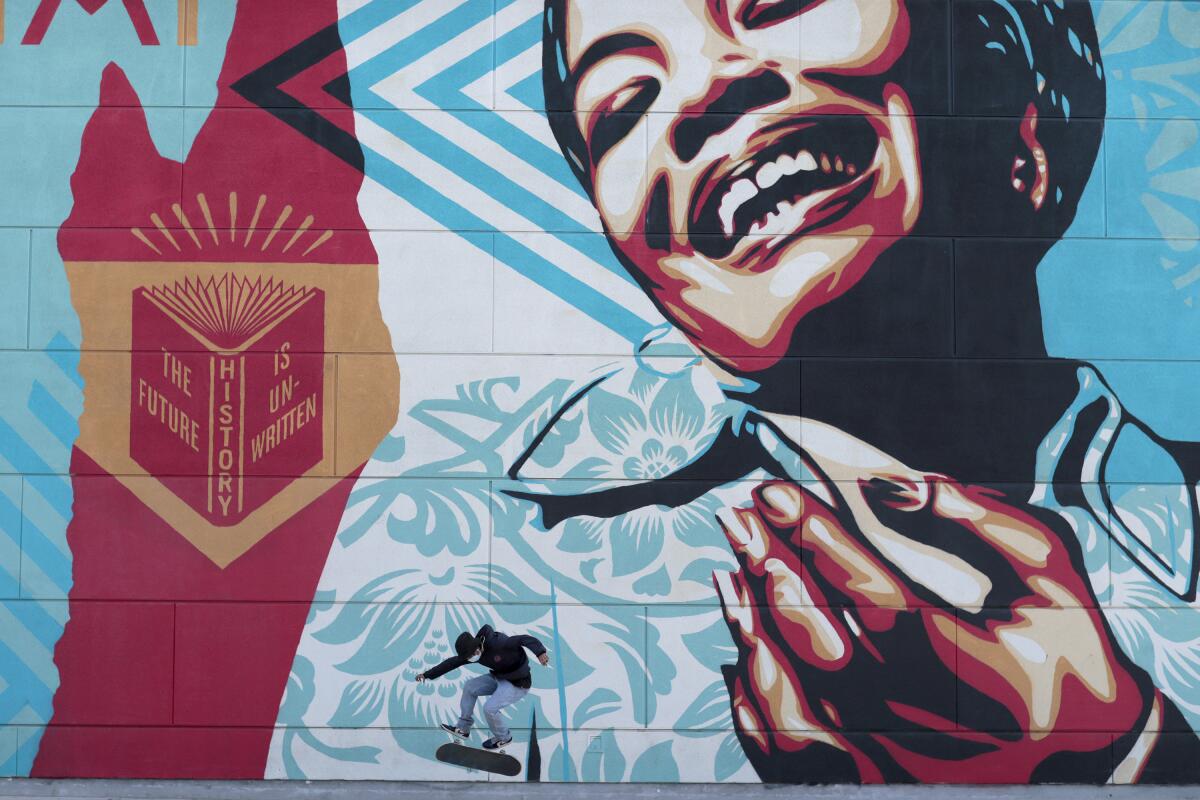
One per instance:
[(410, 569)]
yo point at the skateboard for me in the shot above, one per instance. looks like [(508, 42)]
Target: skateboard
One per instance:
[(460, 753)]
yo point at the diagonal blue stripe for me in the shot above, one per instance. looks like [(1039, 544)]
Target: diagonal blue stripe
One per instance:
[(27, 750), (444, 89), (370, 17), (514, 43), (467, 165), (454, 217), (529, 91), (34, 544), (420, 43), (60, 422), (596, 305), (546, 160), (17, 452), (33, 615), (36, 694), (66, 356), (9, 587)]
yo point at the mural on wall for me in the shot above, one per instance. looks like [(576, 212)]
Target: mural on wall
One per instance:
[(812, 378)]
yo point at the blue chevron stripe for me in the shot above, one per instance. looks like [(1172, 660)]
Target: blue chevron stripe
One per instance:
[(508, 250), (418, 45), (445, 89)]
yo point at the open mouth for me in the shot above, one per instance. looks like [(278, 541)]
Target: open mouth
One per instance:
[(812, 173)]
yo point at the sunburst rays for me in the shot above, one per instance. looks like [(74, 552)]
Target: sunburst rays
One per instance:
[(161, 238)]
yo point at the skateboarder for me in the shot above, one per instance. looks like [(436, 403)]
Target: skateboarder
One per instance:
[(507, 682)]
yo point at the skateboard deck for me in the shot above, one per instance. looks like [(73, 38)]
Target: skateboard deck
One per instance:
[(477, 758)]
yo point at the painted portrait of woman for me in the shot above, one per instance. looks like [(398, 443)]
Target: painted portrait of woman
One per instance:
[(849, 513)]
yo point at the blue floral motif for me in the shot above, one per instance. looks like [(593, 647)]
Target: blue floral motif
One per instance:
[(655, 461), (424, 569)]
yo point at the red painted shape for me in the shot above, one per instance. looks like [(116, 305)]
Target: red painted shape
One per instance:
[(123, 752), (140, 18), (232, 653), (234, 671), (124, 551), (40, 22), (126, 648), (213, 640)]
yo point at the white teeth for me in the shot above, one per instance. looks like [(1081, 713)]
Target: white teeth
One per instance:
[(746, 188), (741, 191), (769, 175)]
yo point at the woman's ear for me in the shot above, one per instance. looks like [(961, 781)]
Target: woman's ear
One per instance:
[(1030, 170)]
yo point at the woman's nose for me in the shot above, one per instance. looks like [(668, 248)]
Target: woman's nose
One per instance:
[(727, 99)]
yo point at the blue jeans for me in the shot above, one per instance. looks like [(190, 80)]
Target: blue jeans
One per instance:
[(502, 694)]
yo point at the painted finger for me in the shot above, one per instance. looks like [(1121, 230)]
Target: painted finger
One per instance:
[(849, 570), (755, 541), (959, 545)]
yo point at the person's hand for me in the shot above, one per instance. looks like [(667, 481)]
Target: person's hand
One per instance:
[(904, 626), (544, 659), (420, 677)]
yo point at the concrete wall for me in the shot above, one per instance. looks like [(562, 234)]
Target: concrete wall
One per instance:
[(813, 380)]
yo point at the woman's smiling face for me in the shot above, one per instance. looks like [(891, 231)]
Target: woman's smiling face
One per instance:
[(779, 158)]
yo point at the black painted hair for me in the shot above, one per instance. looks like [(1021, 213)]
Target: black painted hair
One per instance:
[(1015, 51), (558, 86)]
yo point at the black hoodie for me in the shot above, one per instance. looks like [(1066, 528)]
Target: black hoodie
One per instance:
[(503, 655)]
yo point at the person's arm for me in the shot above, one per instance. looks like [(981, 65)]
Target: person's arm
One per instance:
[(534, 645), (449, 665), (484, 632)]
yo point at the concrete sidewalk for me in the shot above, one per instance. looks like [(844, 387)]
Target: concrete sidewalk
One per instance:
[(339, 790)]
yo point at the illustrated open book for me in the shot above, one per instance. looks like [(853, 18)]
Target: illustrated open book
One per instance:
[(226, 388)]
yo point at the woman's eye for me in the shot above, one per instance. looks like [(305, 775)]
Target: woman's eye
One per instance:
[(621, 99), (617, 116), (761, 13)]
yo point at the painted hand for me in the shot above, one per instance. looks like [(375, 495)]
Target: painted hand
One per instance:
[(544, 659), (900, 627)]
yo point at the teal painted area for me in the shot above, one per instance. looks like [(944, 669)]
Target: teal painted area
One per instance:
[(203, 61), (1164, 394), (1091, 285), (14, 287), (8, 751), (52, 320), (62, 70), (1154, 180), (1139, 298)]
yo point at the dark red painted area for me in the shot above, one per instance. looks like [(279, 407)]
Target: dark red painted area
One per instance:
[(216, 640), (121, 179), (176, 664), (171, 666), (125, 752), (121, 656)]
